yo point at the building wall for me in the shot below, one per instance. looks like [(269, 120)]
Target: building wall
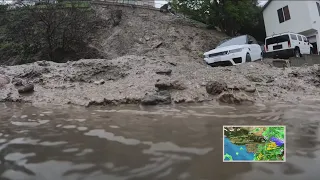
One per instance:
[(299, 22), (315, 20), (314, 13)]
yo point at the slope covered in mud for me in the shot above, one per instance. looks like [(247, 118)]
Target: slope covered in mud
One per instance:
[(136, 31), (137, 79), (153, 58)]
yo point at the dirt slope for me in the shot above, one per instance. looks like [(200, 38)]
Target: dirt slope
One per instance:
[(137, 79), (154, 59), (152, 33)]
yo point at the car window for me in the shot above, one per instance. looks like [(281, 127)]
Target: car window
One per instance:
[(233, 41), (277, 39), (254, 41), (305, 39), (299, 37), (293, 37)]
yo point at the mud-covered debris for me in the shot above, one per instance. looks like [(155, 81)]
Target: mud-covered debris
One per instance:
[(164, 72), (116, 17), (294, 74), (178, 85), (281, 63), (234, 87), (170, 85), (234, 98), (161, 97), (215, 87), (26, 89), (254, 78), (270, 80), (43, 63), (147, 38), (173, 63), (250, 89), (4, 80), (163, 85), (101, 81), (17, 81), (157, 44), (34, 72)]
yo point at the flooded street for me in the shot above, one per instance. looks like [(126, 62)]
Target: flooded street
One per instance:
[(162, 142)]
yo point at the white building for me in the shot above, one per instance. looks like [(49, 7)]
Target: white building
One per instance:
[(301, 17)]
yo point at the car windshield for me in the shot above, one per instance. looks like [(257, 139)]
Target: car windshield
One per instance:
[(234, 41)]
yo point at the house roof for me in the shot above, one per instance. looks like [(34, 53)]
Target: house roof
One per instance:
[(266, 5)]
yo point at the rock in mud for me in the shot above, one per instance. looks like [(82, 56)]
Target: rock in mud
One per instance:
[(4, 80), (174, 85), (162, 97), (147, 38), (43, 63), (232, 98), (250, 89), (281, 63), (164, 72), (172, 63), (17, 81), (99, 82), (215, 87), (116, 17), (157, 44), (254, 78), (234, 87), (294, 74), (26, 89)]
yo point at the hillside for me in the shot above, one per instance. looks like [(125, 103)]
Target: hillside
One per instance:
[(153, 58), (152, 33)]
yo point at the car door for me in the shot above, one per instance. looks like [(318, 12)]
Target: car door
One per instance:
[(301, 45), (306, 45), (255, 48)]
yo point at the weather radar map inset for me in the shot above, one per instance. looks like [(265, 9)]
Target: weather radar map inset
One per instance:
[(254, 143)]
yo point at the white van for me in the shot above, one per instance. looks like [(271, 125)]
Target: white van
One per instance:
[(286, 45)]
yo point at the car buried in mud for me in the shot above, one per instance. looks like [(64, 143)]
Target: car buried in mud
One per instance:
[(234, 51)]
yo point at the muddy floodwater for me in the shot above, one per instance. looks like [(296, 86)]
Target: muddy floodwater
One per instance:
[(163, 142)]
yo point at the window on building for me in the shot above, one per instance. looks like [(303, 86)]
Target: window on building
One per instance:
[(293, 36), (318, 6), (284, 14), (299, 37), (280, 15)]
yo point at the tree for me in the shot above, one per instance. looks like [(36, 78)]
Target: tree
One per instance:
[(231, 16), (50, 31)]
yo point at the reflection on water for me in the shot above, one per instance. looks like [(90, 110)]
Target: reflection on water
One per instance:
[(162, 142)]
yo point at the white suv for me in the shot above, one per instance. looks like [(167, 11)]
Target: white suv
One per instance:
[(286, 45), (234, 51)]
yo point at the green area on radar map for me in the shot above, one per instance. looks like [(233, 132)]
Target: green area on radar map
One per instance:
[(263, 143)]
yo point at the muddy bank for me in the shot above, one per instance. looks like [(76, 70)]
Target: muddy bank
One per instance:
[(149, 81)]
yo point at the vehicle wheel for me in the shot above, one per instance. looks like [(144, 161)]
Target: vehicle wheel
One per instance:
[(297, 53), (248, 57)]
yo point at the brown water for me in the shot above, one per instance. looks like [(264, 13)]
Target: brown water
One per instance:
[(131, 142)]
